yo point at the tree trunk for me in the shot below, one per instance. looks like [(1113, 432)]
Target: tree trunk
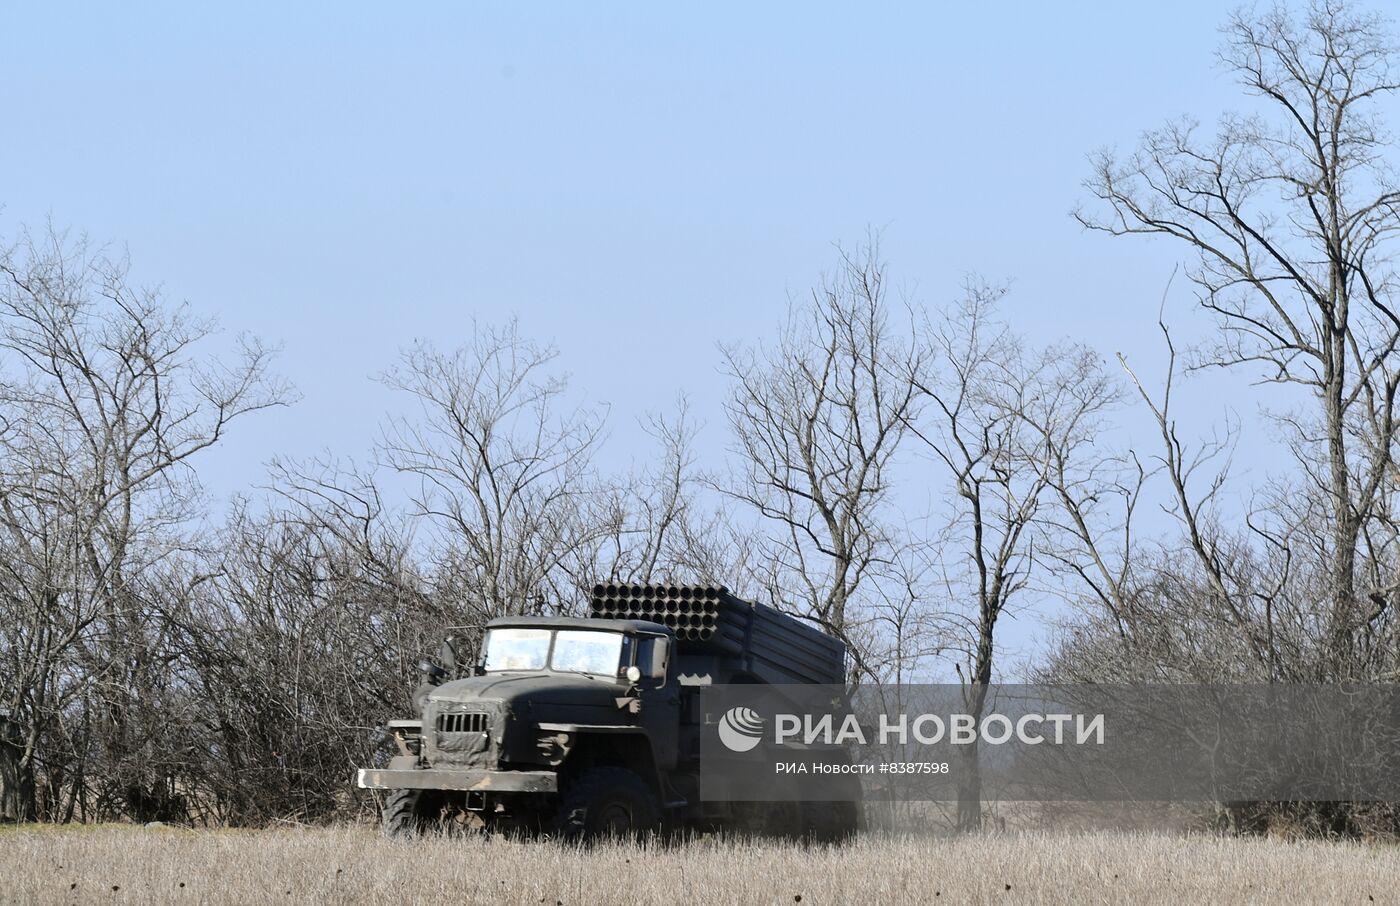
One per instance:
[(975, 699), (1345, 525), (969, 792), (16, 779)]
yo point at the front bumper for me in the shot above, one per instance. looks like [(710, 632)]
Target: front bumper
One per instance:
[(447, 779)]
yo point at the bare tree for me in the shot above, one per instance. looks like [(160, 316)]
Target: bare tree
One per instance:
[(1290, 216), (299, 646), (908, 628), (817, 421), (995, 413), (657, 524), (1209, 603), (104, 399), (502, 474)]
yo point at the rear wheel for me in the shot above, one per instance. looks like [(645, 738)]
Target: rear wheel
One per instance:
[(608, 802), (410, 813), (830, 822), (779, 819)]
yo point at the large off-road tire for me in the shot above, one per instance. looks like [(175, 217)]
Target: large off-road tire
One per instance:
[(411, 813), (608, 802), (780, 819), (830, 822)]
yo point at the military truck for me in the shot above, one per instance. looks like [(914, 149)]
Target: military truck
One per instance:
[(588, 727)]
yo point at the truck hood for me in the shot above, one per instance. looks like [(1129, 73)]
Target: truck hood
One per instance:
[(519, 690)]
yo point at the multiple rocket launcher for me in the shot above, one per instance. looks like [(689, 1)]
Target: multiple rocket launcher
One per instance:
[(727, 637)]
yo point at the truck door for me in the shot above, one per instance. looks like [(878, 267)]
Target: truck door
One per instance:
[(660, 694)]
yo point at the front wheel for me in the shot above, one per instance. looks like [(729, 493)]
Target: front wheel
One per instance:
[(608, 802), (411, 813)]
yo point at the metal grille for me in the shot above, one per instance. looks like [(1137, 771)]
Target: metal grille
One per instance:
[(462, 722)]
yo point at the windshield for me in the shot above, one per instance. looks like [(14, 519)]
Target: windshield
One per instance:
[(573, 650), (516, 649), (587, 651)]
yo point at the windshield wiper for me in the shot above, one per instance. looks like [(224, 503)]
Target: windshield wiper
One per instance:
[(606, 677)]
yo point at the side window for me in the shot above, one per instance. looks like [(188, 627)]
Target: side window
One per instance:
[(629, 651), (652, 655)]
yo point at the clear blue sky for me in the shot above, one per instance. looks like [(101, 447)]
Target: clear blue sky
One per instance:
[(636, 182)]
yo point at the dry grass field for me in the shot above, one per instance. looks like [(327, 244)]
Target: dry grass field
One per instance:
[(353, 865)]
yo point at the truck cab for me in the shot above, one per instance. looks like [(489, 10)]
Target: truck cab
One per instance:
[(586, 727), (556, 706)]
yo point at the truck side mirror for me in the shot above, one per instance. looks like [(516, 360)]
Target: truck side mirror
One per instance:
[(447, 656), (432, 673)]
